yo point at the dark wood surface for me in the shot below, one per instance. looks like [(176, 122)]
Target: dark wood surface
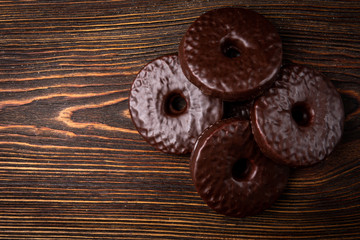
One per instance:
[(72, 164)]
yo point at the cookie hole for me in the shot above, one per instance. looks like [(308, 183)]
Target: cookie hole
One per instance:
[(302, 114), (240, 169), (229, 49), (175, 104)]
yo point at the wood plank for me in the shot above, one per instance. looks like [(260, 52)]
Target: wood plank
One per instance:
[(72, 165)]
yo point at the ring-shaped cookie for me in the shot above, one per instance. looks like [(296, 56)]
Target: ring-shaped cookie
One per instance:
[(300, 119), (168, 110), (231, 53), (231, 174)]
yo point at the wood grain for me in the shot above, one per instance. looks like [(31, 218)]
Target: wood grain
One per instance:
[(72, 165)]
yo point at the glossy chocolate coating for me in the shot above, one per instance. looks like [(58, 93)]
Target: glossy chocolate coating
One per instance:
[(248, 191), (300, 119), (231, 53), (163, 125)]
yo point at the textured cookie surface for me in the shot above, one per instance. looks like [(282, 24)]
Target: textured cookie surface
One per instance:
[(231, 174), (167, 110), (231, 53), (300, 119)]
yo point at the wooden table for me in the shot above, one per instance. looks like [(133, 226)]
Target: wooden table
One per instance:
[(72, 164)]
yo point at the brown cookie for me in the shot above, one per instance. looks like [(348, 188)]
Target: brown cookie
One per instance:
[(231, 174), (168, 110), (231, 53), (300, 119)]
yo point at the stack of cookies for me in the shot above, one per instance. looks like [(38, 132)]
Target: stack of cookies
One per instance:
[(246, 119)]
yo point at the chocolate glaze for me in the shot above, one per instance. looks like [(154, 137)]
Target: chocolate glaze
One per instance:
[(231, 53), (300, 119), (167, 127), (250, 190)]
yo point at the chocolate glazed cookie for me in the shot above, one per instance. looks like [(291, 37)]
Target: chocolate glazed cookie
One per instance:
[(168, 110), (231, 174), (231, 53), (300, 119)]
